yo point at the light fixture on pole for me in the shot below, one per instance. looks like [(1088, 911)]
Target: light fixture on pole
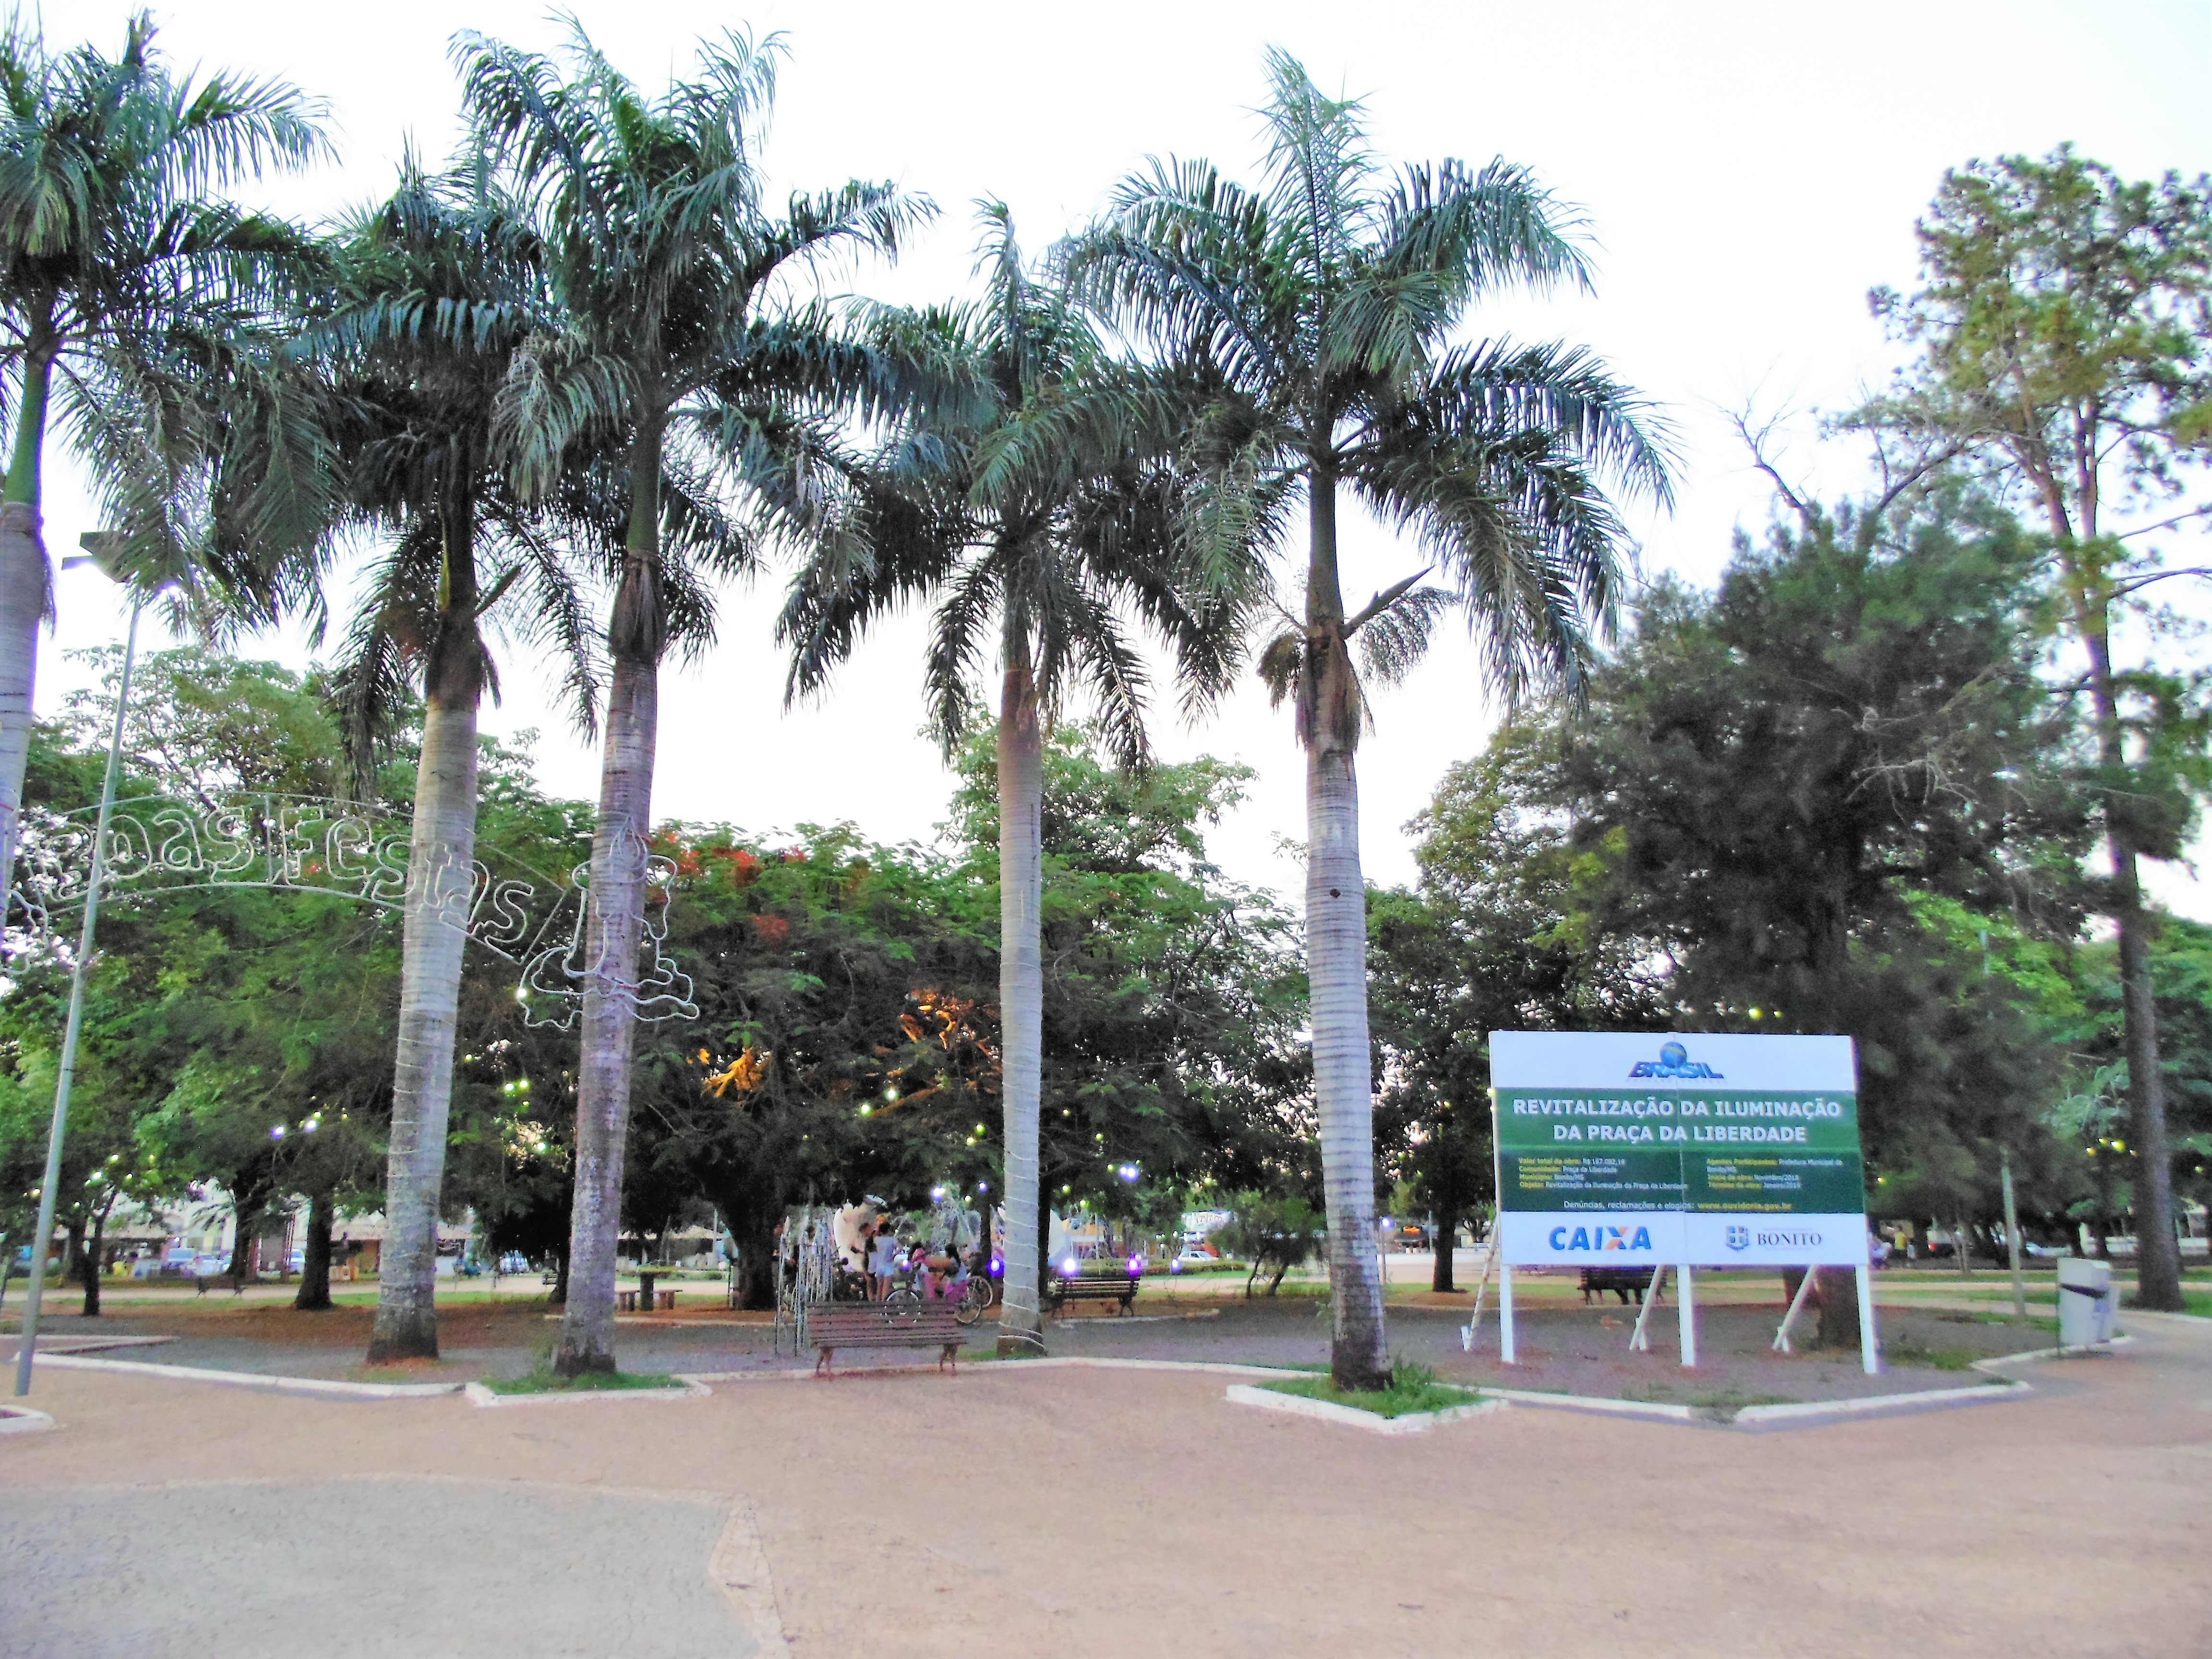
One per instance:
[(101, 550)]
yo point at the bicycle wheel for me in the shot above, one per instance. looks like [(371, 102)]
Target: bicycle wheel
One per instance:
[(975, 1298), (902, 1307)]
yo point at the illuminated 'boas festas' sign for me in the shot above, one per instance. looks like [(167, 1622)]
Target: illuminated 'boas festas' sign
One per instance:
[(170, 843)]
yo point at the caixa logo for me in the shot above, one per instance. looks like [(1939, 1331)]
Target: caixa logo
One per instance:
[(1600, 1239), (1674, 1061), (1743, 1238)]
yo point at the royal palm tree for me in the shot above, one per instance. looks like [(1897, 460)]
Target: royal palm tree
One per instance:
[(430, 294), (1323, 303), (135, 315), (678, 336), (1041, 522)]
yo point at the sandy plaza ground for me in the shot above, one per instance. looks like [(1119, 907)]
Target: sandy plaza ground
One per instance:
[(1022, 1510)]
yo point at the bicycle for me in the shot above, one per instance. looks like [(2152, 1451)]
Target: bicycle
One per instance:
[(978, 1297)]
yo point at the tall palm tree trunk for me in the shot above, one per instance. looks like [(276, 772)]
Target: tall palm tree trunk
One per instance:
[(636, 634), (25, 578), (441, 872), (1021, 989), (1336, 965)]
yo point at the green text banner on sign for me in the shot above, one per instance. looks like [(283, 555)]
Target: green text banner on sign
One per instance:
[(1701, 1148)]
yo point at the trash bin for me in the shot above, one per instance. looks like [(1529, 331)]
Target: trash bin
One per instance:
[(2086, 1302)]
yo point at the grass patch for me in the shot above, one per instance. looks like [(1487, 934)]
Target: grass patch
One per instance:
[(1908, 1350), (542, 1379), (1413, 1389)]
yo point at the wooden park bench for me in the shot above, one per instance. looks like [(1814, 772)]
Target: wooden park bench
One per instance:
[(202, 1284), (837, 1325), (1122, 1288), (1623, 1282)]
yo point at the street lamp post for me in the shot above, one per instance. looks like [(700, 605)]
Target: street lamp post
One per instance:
[(48, 1190)]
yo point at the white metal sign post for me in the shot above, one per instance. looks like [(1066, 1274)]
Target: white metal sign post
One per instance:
[(1695, 1149)]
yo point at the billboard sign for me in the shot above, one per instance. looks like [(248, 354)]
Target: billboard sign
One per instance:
[(1708, 1149)]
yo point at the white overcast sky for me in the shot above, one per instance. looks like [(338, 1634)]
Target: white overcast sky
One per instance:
[(1748, 171)]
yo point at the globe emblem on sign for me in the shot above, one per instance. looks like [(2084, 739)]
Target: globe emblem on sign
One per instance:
[(1674, 1061), (1739, 1238)]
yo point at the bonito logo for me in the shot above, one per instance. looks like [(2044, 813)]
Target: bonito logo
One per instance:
[(1739, 1238), (1674, 1061), (1600, 1239)]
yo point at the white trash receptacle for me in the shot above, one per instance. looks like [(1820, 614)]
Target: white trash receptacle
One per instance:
[(2086, 1302)]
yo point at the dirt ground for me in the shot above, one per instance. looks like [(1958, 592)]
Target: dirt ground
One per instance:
[(1564, 1346), (1021, 1511)]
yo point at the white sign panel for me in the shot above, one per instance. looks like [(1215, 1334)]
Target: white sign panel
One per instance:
[(1688, 1148)]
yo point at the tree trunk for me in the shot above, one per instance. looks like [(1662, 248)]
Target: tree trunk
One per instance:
[(755, 1234), (1838, 1295), (1021, 991), (559, 1297), (1834, 1302), (25, 590), (72, 1251), (2157, 1253), (315, 1258), (635, 636), (92, 1263), (2158, 1257), (1336, 967), (244, 1247), (1446, 1230), (441, 885)]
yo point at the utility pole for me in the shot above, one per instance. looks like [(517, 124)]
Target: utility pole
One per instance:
[(48, 1190), (2011, 1231)]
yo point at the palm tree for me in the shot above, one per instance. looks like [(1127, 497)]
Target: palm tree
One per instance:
[(1322, 304), (431, 293), (668, 270), (1048, 519), (134, 309)]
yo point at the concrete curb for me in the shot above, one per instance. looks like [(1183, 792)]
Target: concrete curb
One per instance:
[(315, 1387), (478, 1395), (1601, 1404), (21, 1419), (1242, 1393), (2031, 1355), (1983, 1394)]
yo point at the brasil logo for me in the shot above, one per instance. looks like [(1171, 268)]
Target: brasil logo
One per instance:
[(1674, 1061)]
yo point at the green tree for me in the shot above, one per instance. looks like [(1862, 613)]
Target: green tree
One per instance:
[(135, 307), (1045, 521), (2064, 325), (1780, 780), (1170, 1000), (1319, 309), (666, 265), (1489, 942), (1271, 1231), (227, 1028)]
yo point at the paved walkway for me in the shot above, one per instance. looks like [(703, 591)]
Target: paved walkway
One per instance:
[(1106, 1511)]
